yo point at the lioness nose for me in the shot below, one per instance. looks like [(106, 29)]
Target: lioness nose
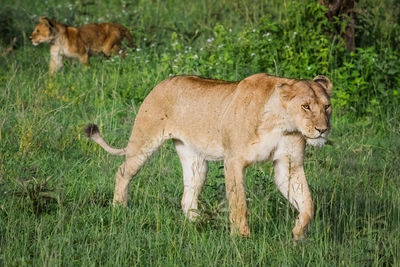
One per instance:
[(321, 131)]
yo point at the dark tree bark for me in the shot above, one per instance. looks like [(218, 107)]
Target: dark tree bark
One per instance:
[(344, 10)]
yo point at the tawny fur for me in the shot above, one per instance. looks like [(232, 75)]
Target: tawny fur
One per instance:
[(79, 42), (259, 118)]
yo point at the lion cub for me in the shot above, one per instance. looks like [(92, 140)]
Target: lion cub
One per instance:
[(79, 42)]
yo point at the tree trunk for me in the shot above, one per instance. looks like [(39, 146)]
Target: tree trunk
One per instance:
[(344, 10)]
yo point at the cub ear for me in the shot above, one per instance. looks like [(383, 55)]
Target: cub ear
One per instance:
[(286, 92), (325, 83), (46, 21)]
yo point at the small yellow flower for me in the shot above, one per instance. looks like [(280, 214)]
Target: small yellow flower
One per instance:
[(65, 98)]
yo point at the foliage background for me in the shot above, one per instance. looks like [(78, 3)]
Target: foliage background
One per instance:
[(56, 187)]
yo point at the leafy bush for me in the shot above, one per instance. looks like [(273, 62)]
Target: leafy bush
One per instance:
[(300, 46)]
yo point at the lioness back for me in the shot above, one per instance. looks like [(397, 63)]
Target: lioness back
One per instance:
[(190, 109)]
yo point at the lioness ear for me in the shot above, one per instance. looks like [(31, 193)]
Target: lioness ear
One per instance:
[(286, 92), (325, 82)]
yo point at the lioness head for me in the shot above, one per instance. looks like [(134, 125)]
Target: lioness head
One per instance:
[(308, 104), (43, 32)]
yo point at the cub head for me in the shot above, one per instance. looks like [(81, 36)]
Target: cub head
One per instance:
[(44, 32), (309, 107)]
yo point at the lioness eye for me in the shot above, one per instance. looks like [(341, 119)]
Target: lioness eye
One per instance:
[(37, 31), (327, 106), (306, 107)]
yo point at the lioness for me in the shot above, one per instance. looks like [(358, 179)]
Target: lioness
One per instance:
[(259, 118), (79, 42)]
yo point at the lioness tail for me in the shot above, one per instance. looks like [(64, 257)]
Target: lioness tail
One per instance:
[(92, 131)]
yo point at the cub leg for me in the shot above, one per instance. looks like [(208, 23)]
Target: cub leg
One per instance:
[(236, 194), (84, 59), (109, 45), (291, 181), (55, 60), (117, 50), (194, 168)]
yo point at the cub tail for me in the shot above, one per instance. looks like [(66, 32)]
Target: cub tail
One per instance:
[(92, 131)]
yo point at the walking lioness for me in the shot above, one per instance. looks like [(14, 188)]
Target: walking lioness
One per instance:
[(259, 118), (79, 42)]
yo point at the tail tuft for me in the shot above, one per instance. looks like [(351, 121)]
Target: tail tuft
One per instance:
[(91, 130)]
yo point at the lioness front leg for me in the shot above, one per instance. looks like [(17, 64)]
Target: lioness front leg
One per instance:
[(291, 181), (235, 191)]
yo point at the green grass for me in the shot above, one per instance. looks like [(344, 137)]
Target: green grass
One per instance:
[(56, 186)]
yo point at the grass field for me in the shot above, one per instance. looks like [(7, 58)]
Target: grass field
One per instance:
[(56, 186)]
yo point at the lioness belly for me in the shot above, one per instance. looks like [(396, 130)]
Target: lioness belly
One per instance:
[(208, 149)]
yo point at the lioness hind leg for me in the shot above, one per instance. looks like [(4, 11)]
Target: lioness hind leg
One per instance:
[(194, 168), (137, 154), (291, 181), (122, 178), (235, 191)]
